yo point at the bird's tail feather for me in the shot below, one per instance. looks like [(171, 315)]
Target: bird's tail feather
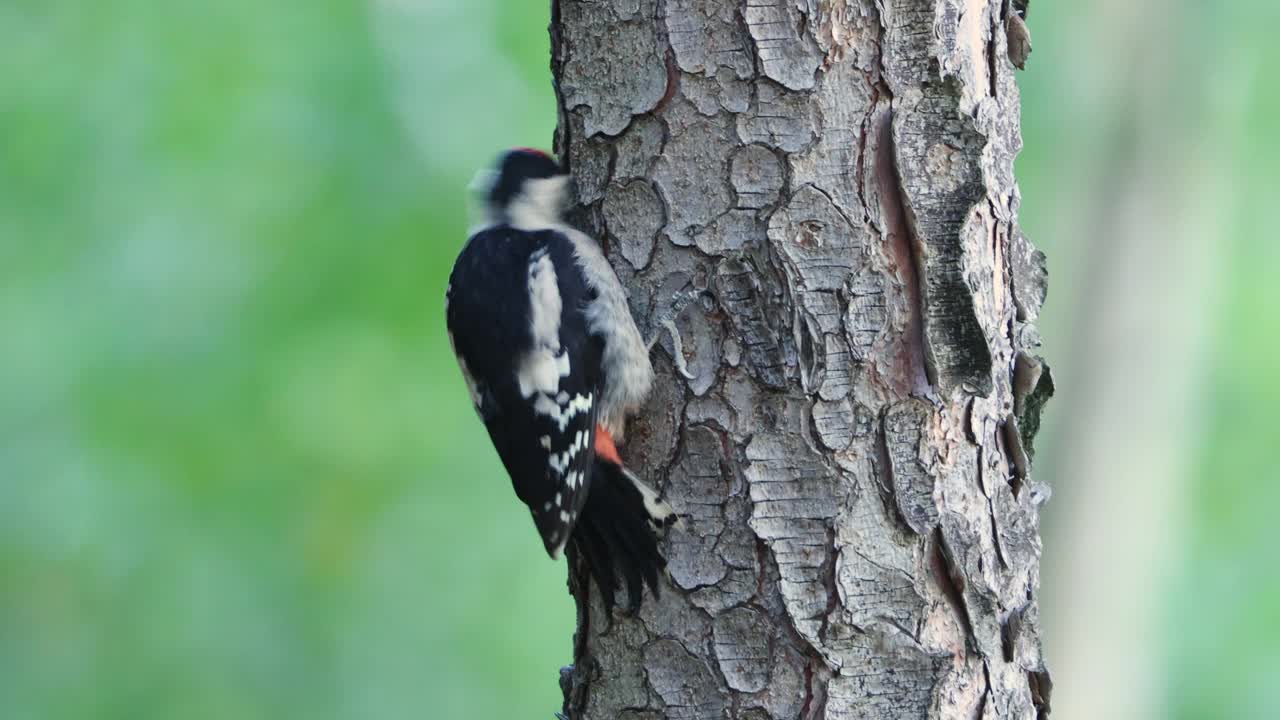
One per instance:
[(616, 533)]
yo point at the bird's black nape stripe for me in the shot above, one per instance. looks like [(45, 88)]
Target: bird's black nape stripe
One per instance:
[(516, 167)]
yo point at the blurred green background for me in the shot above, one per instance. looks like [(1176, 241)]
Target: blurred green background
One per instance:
[(238, 473)]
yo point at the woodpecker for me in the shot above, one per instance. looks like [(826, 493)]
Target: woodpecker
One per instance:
[(554, 363)]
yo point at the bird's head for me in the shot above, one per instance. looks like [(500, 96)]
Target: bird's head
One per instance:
[(526, 188)]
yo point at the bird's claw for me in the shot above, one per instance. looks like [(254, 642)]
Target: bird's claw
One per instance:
[(667, 321), (677, 350)]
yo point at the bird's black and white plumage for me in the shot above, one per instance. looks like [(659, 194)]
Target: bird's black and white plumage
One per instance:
[(554, 362)]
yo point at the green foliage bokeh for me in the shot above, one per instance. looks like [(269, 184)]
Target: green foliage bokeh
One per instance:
[(239, 477)]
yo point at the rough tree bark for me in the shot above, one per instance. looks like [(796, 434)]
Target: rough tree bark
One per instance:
[(851, 455)]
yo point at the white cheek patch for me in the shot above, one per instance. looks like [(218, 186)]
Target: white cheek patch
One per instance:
[(539, 203)]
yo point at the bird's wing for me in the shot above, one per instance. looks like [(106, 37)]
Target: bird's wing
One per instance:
[(515, 313)]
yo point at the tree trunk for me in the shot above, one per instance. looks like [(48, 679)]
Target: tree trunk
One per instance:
[(851, 453)]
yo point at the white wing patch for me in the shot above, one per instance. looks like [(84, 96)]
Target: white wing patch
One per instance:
[(560, 462), (544, 299), (555, 538), (542, 367), (538, 375), (540, 371), (544, 405), (555, 552)]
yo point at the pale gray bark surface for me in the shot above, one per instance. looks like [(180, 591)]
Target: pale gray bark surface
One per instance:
[(851, 458)]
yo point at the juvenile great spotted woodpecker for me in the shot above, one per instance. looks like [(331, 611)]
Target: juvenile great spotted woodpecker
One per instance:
[(554, 363)]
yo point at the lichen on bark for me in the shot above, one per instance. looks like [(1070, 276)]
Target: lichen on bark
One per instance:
[(850, 448)]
